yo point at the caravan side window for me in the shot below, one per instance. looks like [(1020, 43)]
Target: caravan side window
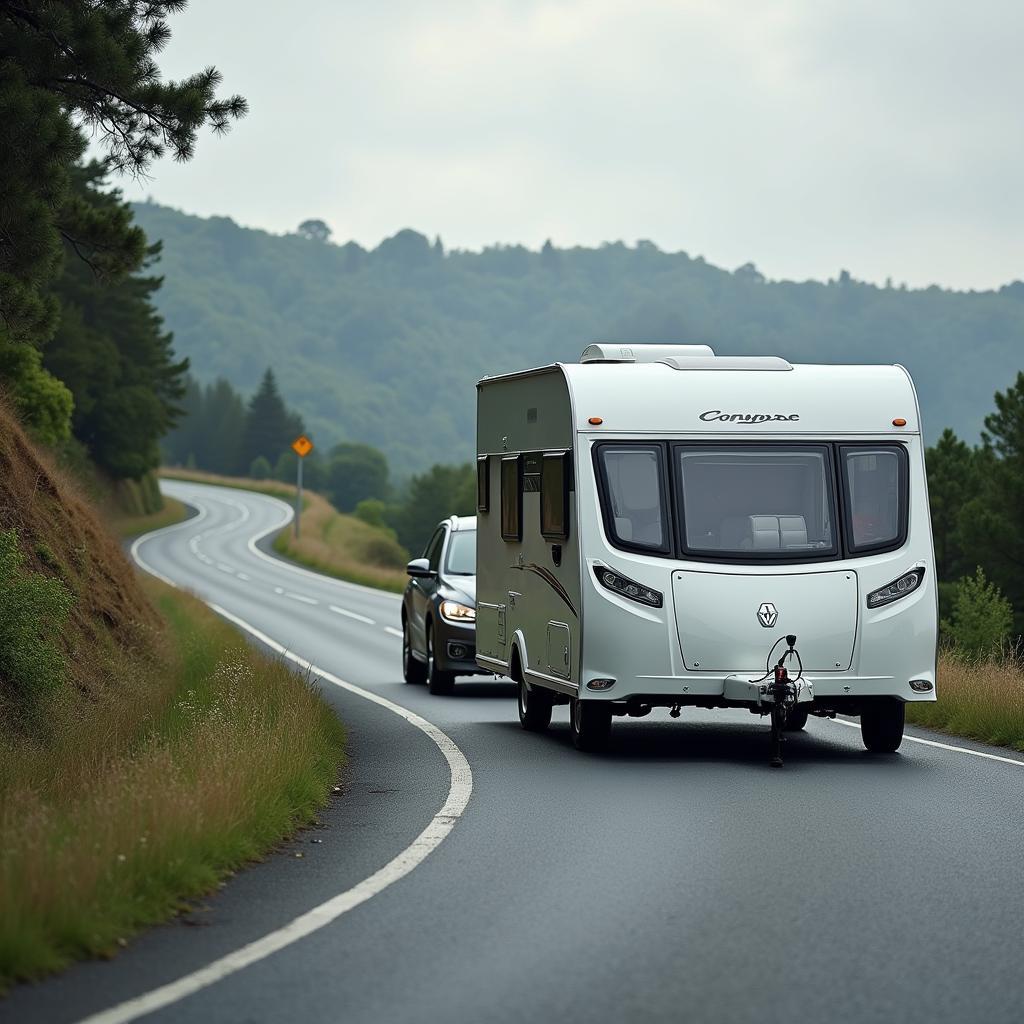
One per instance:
[(512, 498), (483, 484), (554, 496), (634, 495)]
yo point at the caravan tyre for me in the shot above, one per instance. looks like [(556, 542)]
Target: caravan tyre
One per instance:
[(441, 684), (413, 670), (591, 724), (881, 726), (534, 707), (796, 719)]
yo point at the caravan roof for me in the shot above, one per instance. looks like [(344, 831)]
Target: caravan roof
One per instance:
[(684, 391)]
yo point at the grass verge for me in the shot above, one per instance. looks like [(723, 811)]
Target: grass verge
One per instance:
[(331, 542), (193, 760), (981, 700), (276, 489), (131, 526)]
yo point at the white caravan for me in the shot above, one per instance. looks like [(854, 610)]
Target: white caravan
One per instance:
[(659, 526)]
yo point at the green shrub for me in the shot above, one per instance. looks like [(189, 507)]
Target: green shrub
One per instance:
[(371, 511), (981, 618), (33, 609), (260, 468)]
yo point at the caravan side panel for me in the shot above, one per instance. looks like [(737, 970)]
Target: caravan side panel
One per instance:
[(528, 583)]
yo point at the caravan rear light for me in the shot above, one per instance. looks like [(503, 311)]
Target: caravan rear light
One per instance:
[(625, 587), (921, 685), (906, 584), (600, 684)]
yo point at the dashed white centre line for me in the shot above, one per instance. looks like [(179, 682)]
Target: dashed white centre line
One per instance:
[(300, 597), (352, 615), (393, 631), (225, 568), (242, 576)]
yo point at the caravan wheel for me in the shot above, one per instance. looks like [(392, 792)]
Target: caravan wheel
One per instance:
[(881, 726), (591, 722), (534, 708), (796, 719)]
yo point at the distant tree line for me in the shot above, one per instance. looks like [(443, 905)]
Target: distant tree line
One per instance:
[(222, 432), (977, 505), (386, 344)]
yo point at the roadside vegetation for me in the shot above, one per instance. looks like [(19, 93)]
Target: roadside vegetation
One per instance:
[(132, 525), (978, 698), (146, 749)]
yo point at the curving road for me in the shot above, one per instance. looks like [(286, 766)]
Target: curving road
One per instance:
[(675, 878)]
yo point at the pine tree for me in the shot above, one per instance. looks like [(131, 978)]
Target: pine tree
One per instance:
[(68, 68), (110, 348), (269, 427), (993, 522)]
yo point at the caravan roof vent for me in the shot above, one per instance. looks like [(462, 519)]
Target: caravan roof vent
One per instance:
[(608, 352), (729, 363)]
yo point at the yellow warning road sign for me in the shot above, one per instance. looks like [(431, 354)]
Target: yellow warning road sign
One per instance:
[(302, 446)]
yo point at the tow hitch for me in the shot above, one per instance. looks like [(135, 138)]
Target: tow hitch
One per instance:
[(780, 693)]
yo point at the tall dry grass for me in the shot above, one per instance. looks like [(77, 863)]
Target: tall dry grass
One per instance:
[(345, 547), (187, 764), (982, 700)]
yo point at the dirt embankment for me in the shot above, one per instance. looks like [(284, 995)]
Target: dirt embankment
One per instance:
[(61, 536)]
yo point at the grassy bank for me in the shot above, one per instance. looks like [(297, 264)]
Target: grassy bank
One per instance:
[(979, 700), (189, 761), (331, 542), (131, 526)]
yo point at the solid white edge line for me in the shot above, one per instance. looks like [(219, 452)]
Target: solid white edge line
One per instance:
[(423, 845), (943, 746), (352, 615), (280, 563)]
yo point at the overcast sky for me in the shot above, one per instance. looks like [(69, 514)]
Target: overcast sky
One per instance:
[(880, 136)]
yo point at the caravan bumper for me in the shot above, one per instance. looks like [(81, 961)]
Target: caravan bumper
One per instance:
[(745, 688)]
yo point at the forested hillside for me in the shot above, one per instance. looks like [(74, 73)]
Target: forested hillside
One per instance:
[(384, 346)]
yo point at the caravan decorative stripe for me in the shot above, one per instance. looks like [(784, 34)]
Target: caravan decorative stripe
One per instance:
[(549, 578)]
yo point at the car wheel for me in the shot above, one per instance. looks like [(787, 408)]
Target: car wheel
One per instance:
[(591, 723), (442, 684), (534, 708), (796, 719), (413, 670), (881, 726)]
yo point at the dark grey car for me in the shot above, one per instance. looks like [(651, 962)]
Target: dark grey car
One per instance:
[(439, 608)]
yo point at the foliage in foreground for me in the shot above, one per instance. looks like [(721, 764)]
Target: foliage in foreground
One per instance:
[(68, 70), (188, 764), (33, 610), (980, 699)]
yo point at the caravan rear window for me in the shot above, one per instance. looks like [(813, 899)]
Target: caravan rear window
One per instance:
[(636, 510), (757, 502)]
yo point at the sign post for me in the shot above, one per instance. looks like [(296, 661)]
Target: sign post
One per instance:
[(302, 446)]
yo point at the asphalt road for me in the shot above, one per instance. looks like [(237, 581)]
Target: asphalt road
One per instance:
[(674, 878)]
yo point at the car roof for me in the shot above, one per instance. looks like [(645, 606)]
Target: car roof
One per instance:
[(460, 523)]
